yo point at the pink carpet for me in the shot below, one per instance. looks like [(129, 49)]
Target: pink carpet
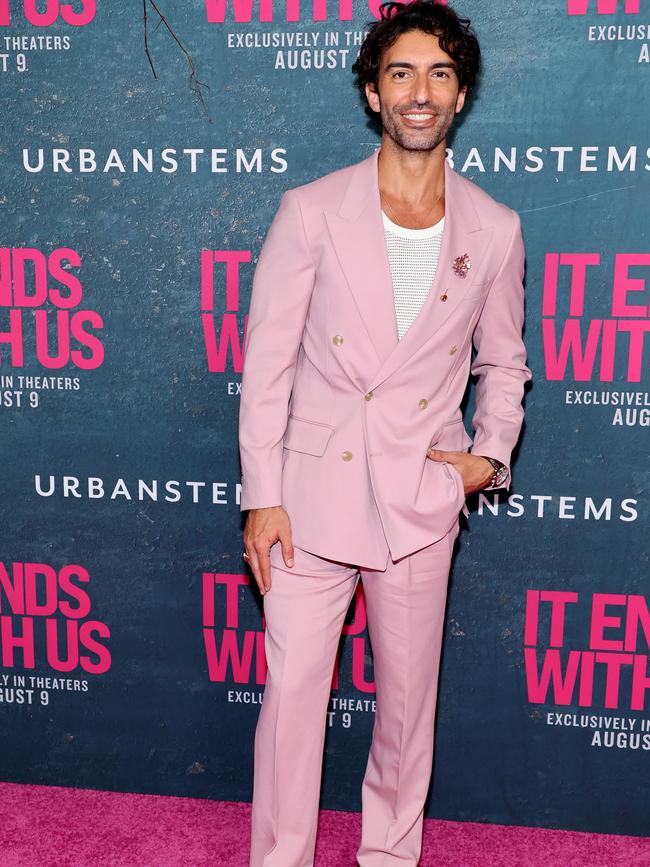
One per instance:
[(52, 826)]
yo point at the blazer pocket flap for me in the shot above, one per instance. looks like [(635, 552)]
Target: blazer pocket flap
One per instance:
[(310, 437), (452, 436)]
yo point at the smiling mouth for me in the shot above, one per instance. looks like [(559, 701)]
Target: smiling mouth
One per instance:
[(419, 118)]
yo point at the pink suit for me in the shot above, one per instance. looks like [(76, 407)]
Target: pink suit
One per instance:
[(336, 416)]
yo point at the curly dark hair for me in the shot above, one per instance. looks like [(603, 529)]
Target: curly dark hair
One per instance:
[(454, 37)]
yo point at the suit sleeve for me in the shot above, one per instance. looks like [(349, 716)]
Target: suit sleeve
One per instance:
[(500, 361), (282, 286)]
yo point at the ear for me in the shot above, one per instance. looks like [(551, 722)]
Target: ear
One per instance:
[(372, 96), (460, 99)]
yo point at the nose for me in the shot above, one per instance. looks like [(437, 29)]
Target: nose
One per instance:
[(421, 90)]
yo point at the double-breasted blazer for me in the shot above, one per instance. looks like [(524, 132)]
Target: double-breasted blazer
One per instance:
[(336, 412)]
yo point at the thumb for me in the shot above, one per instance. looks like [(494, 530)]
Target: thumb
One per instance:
[(437, 454)]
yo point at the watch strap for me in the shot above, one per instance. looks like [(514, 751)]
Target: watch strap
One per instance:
[(499, 472)]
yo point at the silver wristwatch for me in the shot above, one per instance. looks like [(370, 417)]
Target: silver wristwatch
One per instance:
[(500, 473)]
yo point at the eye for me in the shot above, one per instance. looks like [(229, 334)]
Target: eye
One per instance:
[(442, 72), (399, 72)]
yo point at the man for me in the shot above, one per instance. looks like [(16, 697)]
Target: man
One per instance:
[(372, 285)]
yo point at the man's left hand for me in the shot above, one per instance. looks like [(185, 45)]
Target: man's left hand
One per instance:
[(475, 470)]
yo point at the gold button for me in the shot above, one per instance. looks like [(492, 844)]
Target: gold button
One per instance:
[(453, 350), (337, 340), (346, 455), (423, 403), (368, 396)]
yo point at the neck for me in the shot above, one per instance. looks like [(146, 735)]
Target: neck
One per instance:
[(416, 178)]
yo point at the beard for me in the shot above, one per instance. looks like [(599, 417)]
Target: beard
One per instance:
[(412, 139)]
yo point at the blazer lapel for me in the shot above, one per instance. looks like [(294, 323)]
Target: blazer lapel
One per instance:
[(357, 232)]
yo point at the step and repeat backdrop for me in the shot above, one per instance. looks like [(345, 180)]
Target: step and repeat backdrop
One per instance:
[(145, 147)]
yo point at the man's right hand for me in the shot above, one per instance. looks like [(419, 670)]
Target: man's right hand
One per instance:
[(264, 527)]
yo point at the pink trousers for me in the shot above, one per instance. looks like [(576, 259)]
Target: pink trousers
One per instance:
[(305, 611)]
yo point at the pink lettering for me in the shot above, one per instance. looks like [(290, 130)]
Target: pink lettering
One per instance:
[(228, 344), (638, 330), (640, 682), (551, 675), (586, 695), (11, 641), (603, 7), (601, 621), (613, 663), (86, 630), (531, 624), (53, 330), (623, 284), (229, 658), (50, 14), (570, 347), (559, 599), (359, 646), (637, 613), (242, 10)]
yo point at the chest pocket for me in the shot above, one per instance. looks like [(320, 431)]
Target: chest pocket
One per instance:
[(477, 291)]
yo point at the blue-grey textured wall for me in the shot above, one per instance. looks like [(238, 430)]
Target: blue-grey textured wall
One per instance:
[(139, 708)]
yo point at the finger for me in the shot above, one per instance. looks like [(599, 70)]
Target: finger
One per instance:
[(255, 568), (286, 546), (437, 454), (450, 457), (455, 457), (264, 560)]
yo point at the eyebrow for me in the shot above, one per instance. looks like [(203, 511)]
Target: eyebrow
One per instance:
[(442, 64)]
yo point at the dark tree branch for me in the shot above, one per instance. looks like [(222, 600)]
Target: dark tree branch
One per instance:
[(146, 40), (195, 83)]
